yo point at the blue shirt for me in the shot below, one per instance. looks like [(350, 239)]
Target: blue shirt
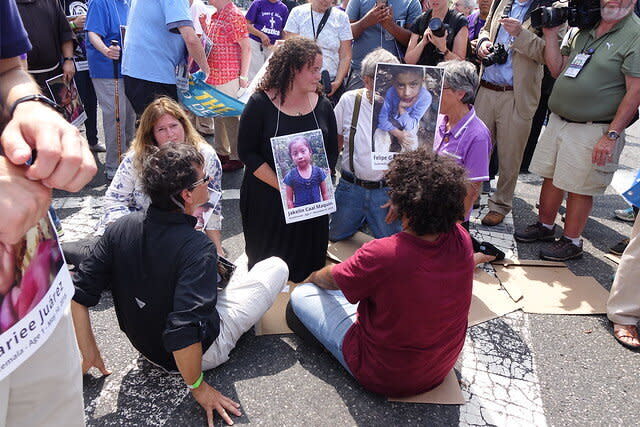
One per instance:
[(13, 37), (404, 13), (503, 74), (153, 45), (410, 118), (104, 18), (305, 191)]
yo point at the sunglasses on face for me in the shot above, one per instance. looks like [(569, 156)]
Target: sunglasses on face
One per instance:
[(199, 182)]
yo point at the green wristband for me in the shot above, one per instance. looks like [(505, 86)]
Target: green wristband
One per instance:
[(73, 25), (197, 383)]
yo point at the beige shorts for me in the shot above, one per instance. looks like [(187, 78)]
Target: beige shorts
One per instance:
[(563, 153)]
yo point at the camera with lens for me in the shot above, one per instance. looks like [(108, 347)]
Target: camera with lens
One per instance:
[(497, 55), (437, 27), (583, 14)]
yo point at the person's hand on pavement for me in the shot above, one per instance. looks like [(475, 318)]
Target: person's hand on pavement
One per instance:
[(22, 202), (63, 159), (480, 258), (91, 358), (210, 398)]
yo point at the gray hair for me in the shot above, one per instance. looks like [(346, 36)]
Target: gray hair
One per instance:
[(471, 4), (380, 55), (461, 75)]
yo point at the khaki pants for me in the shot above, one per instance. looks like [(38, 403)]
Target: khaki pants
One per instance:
[(623, 306), (259, 55), (226, 128), (509, 134), (242, 304), (46, 390)]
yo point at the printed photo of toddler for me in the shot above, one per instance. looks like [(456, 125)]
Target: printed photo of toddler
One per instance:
[(305, 183), (405, 102)]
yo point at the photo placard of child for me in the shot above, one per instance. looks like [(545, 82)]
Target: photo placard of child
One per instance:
[(405, 111), (304, 176), (66, 96)]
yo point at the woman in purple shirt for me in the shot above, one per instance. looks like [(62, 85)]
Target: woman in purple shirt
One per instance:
[(461, 134)]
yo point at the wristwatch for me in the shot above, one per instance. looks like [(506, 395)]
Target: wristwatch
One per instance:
[(244, 78), (35, 97), (613, 135), (67, 58)]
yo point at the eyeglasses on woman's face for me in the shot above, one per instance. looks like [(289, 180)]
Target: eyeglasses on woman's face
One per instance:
[(199, 182)]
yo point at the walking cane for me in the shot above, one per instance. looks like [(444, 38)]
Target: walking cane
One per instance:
[(117, 100)]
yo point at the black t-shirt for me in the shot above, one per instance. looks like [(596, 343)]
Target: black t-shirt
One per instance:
[(455, 22), (77, 8), (48, 28)]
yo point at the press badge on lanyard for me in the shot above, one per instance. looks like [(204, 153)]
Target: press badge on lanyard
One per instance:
[(182, 77), (578, 64)]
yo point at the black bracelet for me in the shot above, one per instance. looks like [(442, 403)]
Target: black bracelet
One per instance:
[(67, 58), (35, 97)]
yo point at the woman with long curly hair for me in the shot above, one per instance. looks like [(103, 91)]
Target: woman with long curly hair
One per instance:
[(163, 121), (287, 101)]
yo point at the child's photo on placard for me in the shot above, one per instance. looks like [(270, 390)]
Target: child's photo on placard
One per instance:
[(304, 176), (405, 113), (66, 96)]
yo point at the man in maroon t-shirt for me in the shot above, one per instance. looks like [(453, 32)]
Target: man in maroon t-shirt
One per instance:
[(395, 313)]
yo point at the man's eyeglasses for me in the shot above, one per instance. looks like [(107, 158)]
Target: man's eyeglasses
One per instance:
[(204, 180)]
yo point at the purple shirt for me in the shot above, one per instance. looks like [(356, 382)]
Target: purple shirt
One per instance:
[(13, 37), (267, 17), (468, 142), (475, 25)]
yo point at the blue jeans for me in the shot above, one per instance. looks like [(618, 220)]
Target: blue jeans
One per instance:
[(326, 314), (355, 205)]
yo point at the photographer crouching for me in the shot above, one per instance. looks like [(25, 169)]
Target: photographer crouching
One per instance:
[(511, 77), (595, 97)]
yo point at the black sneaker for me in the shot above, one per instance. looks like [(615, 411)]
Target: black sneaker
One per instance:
[(619, 247), (535, 232), (561, 250)]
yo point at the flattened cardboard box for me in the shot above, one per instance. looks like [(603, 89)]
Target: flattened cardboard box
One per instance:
[(554, 290)]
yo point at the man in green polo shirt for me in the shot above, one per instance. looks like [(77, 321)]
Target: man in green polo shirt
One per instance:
[(594, 99)]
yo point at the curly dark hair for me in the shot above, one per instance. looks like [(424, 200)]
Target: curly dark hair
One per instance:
[(169, 170), (286, 61), (428, 190)]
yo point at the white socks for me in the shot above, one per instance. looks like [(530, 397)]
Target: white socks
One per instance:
[(548, 226), (576, 241)]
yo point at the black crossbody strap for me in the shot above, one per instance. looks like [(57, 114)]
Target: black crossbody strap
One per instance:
[(322, 23), (352, 133)]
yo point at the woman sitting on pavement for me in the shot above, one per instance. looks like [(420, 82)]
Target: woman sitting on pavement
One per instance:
[(410, 292), (461, 135), (161, 122), (362, 191)]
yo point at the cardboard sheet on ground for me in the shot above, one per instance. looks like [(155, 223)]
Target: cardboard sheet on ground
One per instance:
[(274, 320), (447, 393), (613, 258), (530, 262), (553, 290), (340, 251), (489, 301)]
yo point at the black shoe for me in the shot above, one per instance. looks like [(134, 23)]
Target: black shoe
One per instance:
[(562, 249), (619, 247), (535, 232)]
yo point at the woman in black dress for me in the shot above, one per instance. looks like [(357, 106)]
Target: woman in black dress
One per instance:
[(286, 101), (427, 49)]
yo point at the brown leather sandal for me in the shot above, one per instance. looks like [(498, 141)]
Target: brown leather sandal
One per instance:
[(626, 331)]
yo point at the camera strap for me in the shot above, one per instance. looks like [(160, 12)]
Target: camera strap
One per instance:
[(323, 21)]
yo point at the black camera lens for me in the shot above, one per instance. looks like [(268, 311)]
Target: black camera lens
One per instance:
[(437, 27)]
